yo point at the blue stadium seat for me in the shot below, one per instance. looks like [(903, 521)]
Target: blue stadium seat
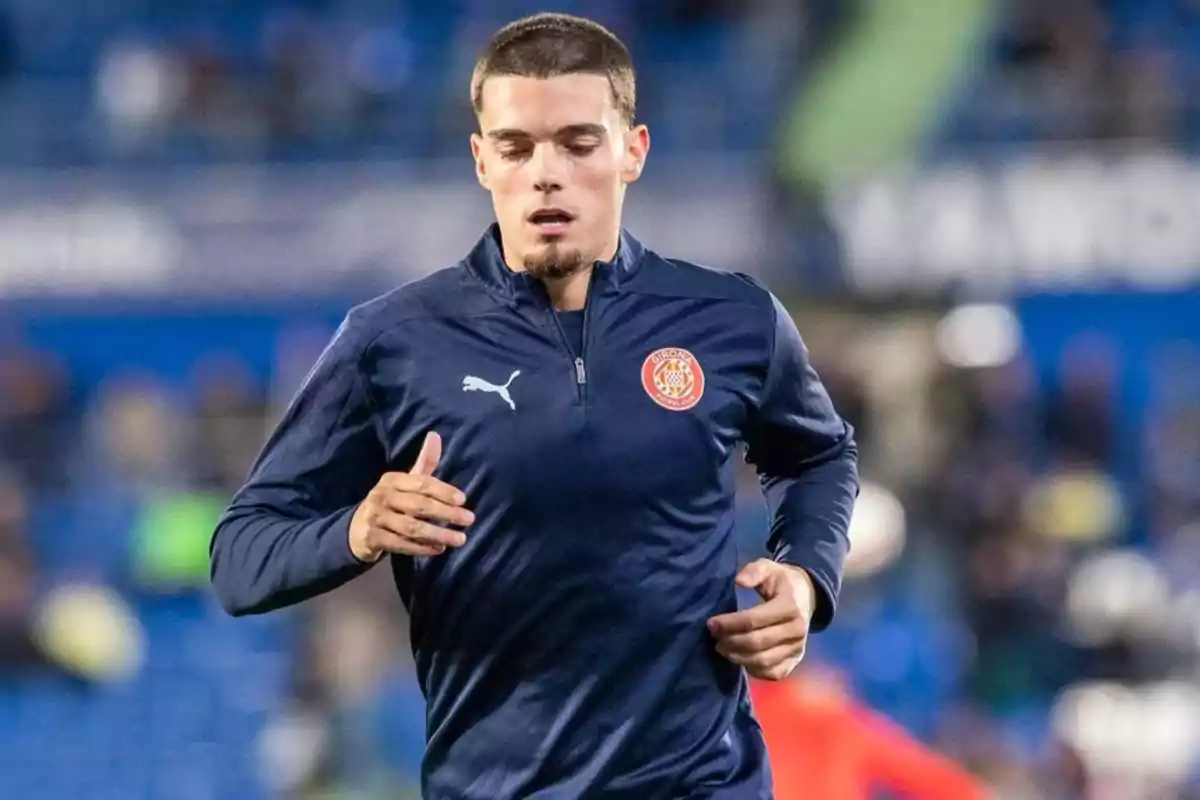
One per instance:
[(185, 727)]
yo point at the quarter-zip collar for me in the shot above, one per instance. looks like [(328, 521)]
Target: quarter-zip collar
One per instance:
[(486, 262)]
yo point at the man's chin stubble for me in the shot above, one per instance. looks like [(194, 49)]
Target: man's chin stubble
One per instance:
[(554, 264)]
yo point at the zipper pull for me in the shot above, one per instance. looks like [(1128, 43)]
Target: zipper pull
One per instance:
[(580, 372)]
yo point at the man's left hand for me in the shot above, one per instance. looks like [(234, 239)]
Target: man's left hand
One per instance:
[(769, 639)]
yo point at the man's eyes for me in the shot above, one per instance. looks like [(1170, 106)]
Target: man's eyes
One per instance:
[(517, 152)]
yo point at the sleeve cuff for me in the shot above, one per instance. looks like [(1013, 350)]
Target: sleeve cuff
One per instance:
[(826, 605), (341, 556)]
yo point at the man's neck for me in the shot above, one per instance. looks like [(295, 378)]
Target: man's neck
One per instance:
[(570, 293)]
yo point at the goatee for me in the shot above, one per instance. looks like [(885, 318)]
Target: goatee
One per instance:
[(554, 264)]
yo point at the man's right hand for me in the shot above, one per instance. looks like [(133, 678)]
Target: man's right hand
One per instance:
[(400, 513)]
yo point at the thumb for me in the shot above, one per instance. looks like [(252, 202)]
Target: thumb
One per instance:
[(753, 575), (430, 455)]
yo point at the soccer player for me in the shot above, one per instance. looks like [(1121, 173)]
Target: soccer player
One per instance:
[(542, 439)]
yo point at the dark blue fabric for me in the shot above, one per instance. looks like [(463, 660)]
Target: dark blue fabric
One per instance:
[(572, 325), (563, 650)]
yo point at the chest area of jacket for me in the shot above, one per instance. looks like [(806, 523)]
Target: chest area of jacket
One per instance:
[(657, 389)]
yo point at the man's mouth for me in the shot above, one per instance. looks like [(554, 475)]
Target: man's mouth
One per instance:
[(551, 221)]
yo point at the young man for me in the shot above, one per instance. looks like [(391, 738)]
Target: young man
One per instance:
[(568, 405)]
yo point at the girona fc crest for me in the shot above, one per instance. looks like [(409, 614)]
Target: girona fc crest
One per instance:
[(673, 378)]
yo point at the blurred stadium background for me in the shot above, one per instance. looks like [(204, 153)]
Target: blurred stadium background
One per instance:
[(983, 215)]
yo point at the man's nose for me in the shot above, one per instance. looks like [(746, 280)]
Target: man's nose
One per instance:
[(547, 164)]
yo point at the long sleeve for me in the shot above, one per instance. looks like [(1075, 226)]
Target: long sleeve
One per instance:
[(807, 461), (285, 536)]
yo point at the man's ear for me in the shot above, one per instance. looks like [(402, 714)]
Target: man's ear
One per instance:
[(637, 148), (477, 154)]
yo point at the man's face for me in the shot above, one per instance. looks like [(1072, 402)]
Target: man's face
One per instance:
[(556, 156)]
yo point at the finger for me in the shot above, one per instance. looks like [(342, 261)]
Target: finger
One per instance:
[(752, 575), (427, 508), (773, 663), (426, 485), (419, 531), (777, 671), (762, 640), (390, 542), (430, 455), (763, 615)]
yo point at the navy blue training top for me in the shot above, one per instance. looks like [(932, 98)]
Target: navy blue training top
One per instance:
[(563, 650)]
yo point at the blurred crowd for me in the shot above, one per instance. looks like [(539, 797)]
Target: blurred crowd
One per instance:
[(1024, 591), (1088, 70), (339, 78), (1068, 526)]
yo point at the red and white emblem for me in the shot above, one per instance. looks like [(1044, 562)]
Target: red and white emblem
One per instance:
[(673, 378)]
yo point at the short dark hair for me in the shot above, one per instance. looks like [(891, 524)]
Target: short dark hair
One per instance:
[(548, 45)]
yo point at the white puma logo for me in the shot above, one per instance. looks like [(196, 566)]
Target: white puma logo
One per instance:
[(473, 384)]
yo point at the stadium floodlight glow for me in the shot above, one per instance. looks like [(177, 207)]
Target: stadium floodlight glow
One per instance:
[(978, 335), (1149, 735), (877, 531), (1170, 713), (1093, 718), (92, 631), (1114, 593)]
